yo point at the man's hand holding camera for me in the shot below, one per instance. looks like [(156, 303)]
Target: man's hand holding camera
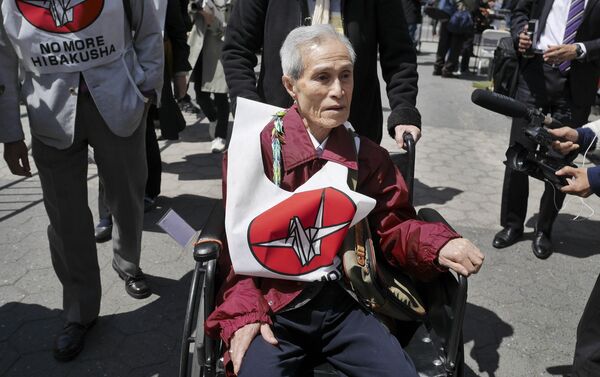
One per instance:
[(578, 182), (554, 54)]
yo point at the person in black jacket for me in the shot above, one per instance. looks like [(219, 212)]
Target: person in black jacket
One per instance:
[(562, 80), (372, 26)]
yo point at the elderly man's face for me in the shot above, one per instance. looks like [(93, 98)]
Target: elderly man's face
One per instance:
[(324, 90)]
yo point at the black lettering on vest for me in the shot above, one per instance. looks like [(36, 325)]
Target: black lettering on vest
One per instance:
[(55, 46), (84, 56), (53, 60), (104, 51), (79, 44), (38, 62), (45, 48), (100, 41), (69, 46), (89, 42), (73, 58), (94, 54)]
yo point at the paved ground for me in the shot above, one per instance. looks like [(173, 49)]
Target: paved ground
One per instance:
[(522, 312)]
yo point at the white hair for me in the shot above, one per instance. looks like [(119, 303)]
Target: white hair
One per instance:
[(299, 38)]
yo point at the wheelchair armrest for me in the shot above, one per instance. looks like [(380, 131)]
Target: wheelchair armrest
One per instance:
[(209, 244), (460, 300)]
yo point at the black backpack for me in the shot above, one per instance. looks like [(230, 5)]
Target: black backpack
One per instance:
[(505, 68)]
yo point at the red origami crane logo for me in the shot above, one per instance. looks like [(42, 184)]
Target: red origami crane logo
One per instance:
[(60, 16), (303, 233)]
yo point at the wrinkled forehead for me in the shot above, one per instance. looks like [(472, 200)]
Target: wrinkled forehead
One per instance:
[(324, 50)]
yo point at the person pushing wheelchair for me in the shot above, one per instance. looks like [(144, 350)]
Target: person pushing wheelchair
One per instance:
[(291, 197)]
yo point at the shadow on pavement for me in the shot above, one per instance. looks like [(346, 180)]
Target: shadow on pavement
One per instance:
[(486, 330), (575, 238), (560, 370), (142, 342), (199, 166), (433, 195)]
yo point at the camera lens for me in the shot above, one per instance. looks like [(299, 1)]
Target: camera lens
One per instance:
[(516, 158)]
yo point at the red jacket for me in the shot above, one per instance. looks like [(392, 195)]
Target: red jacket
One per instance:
[(411, 245)]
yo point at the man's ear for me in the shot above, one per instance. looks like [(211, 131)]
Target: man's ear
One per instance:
[(288, 83)]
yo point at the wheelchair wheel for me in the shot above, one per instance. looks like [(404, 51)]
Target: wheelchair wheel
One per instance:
[(205, 353)]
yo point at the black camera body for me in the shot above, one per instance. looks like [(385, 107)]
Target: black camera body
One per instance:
[(541, 162)]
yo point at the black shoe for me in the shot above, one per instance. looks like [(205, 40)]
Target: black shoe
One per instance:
[(507, 237), (450, 75), (542, 246), (149, 203), (135, 286), (437, 72), (103, 231), (69, 343)]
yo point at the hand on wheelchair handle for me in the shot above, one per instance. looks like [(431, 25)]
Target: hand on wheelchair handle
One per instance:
[(401, 129), (243, 337), (461, 256)]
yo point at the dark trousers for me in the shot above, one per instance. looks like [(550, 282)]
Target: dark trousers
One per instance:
[(587, 350), (153, 162), (467, 51), (448, 51), (332, 327), (63, 175), (217, 109), (540, 86)]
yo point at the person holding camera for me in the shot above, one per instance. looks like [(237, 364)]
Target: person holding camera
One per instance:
[(583, 182), (558, 73)]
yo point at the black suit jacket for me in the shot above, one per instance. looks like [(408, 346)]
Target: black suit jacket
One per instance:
[(584, 74), (373, 27)]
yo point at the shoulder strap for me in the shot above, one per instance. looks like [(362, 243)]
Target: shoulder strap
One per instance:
[(128, 12)]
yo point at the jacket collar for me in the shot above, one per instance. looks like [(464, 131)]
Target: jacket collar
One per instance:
[(300, 150)]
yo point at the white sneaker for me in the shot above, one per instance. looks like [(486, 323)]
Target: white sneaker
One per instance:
[(218, 145), (212, 126)]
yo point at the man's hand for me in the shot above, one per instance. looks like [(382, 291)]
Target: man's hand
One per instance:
[(15, 155), (524, 41), (401, 129), (567, 140), (243, 337), (462, 256), (560, 53), (578, 184)]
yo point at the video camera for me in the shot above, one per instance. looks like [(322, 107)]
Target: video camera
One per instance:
[(544, 161)]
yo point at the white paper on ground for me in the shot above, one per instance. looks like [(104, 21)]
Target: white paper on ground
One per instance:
[(176, 227)]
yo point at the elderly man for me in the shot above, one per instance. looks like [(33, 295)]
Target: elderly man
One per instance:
[(287, 300), (86, 82)]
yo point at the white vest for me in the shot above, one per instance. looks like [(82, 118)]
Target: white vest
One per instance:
[(61, 36), (279, 234)]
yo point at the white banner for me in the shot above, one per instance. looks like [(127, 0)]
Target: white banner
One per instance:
[(53, 36), (279, 234)]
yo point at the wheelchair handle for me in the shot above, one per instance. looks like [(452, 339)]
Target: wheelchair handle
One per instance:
[(409, 174), (209, 244)]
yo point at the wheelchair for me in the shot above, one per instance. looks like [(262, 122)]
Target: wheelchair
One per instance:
[(434, 342)]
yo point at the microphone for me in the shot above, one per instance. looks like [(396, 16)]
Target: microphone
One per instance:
[(500, 104), (505, 105)]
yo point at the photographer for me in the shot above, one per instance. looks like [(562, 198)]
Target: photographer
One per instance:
[(583, 182), (558, 73)]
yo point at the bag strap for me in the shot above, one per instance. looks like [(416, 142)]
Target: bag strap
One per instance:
[(128, 12)]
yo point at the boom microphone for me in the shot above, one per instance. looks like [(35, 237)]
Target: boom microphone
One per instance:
[(505, 105), (500, 104)]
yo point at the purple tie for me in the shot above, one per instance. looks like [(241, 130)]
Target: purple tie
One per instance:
[(573, 23)]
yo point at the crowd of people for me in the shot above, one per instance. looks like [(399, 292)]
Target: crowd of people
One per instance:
[(104, 78)]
